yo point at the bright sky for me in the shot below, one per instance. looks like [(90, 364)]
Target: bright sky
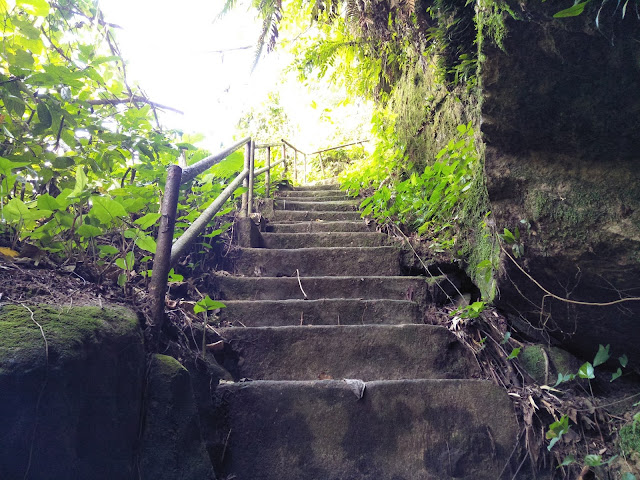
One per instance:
[(171, 48), (171, 51)]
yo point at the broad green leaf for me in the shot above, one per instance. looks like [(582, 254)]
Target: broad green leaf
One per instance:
[(568, 460), (39, 8), (506, 338), (122, 278), (574, 11), (44, 115), (15, 211), (6, 165), (107, 250), (106, 210), (586, 371), (47, 202), (146, 243), (628, 476), (89, 231), (602, 355), (81, 183), (207, 304), (147, 220)]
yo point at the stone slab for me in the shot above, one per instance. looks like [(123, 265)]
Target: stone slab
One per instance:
[(305, 216), (435, 290), (320, 206), (367, 352), (319, 226), (312, 196), (398, 430), (324, 239), (261, 262), (319, 312)]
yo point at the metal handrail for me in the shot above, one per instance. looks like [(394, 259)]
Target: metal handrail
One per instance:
[(167, 251)]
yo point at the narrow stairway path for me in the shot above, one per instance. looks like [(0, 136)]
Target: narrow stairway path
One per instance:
[(337, 376)]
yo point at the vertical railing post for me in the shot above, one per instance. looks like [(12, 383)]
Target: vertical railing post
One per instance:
[(322, 165), (295, 166), (284, 157), (245, 196), (162, 257), (267, 176), (304, 172), (252, 163)]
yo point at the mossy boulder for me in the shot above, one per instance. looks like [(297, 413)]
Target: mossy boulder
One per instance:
[(172, 446), (70, 407), (544, 363)]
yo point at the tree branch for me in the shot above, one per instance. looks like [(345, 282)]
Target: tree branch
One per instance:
[(132, 99)]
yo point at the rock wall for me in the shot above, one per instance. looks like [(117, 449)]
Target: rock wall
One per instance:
[(84, 405), (560, 120)]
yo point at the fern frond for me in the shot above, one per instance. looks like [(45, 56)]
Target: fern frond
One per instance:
[(272, 13)]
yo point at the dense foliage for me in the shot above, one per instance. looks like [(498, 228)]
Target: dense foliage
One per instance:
[(82, 155)]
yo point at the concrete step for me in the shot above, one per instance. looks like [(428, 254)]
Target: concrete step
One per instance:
[(264, 313), (333, 206), (366, 352), (423, 290), (320, 195), (319, 226), (302, 216), (325, 239), (311, 188), (319, 261), (399, 430)]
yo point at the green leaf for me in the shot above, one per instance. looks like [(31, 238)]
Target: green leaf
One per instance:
[(89, 231), (81, 183), (107, 250), (47, 202), (568, 460), (175, 277), (146, 243), (506, 338), (15, 211), (147, 220), (130, 260), (106, 210), (586, 371), (574, 11), (602, 355), (6, 165), (207, 304), (593, 460), (120, 263), (44, 115), (122, 278), (624, 360), (616, 375), (39, 8), (514, 353), (628, 476)]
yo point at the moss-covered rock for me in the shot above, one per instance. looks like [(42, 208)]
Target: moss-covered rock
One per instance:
[(544, 363), (70, 407), (172, 446)]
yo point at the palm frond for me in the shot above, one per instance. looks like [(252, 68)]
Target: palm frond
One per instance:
[(272, 13)]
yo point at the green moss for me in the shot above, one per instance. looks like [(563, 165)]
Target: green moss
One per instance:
[(66, 330), (533, 360), (164, 365), (630, 438)]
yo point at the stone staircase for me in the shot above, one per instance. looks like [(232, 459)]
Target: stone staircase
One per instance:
[(337, 376)]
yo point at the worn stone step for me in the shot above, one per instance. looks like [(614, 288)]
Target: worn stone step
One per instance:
[(321, 187), (319, 226), (366, 352), (399, 430), (325, 239), (304, 216), (318, 261), (424, 290), (332, 206), (319, 312), (313, 195)]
